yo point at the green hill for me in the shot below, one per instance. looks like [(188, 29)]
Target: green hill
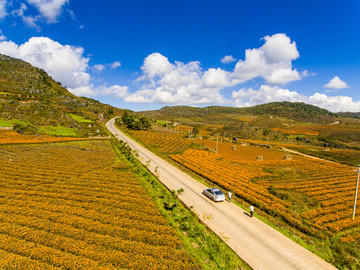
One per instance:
[(34, 103), (293, 110)]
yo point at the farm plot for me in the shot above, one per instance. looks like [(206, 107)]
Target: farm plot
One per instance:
[(12, 137), (75, 206), (164, 142), (331, 185), (237, 152)]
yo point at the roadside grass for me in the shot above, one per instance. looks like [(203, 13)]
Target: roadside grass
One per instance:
[(198, 240), (58, 131), (80, 119)]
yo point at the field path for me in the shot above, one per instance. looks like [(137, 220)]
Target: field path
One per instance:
[(308, 156), (255, 242)]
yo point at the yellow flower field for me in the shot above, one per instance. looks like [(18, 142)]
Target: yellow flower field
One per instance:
[(331, 184), (75, 206)]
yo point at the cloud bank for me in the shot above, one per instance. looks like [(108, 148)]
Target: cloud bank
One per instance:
[(178, 83), (64, 63), (187, 83), (269, 93)]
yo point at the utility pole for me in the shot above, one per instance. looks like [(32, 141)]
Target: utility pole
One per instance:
[(356, 191), (217, 143)]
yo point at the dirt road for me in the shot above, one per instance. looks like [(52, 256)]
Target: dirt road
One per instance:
[(255, 242)]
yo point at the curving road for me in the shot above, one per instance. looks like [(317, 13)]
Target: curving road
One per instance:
[(255, 242)]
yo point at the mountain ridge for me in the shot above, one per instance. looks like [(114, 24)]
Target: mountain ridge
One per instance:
[(298, 111)]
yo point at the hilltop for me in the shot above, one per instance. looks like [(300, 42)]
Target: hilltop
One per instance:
[(35, 103), (297, 111)]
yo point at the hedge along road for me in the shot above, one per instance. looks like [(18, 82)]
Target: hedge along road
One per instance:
[(256, 243)]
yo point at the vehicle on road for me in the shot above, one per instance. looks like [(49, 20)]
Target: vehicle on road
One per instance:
[(215, 194)]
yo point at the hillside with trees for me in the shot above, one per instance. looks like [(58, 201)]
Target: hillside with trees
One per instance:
[(298, 111), (33, 103)]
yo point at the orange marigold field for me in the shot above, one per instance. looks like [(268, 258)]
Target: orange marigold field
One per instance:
[(75, 206), (12, 137), (237, 152), (165, 142), (331, 184), (296, 131)]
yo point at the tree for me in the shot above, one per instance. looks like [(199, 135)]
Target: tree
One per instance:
[(132, 121), (145, 123), (195, 130), (128, 119)]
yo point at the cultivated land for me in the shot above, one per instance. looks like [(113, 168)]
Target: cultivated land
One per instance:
[(309, 200), (76, 205), (258, 244)]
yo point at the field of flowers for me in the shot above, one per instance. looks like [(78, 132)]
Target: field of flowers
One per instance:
[(76, 206), (12, 137), (165, 142), (331, 184), (237, 152)]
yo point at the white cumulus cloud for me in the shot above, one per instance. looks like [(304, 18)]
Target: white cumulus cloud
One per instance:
[(178, 83), (50, 9), (265, 94), (270, 93), (272, 61), (188, 83), (64, 63), (228, 59), (115, 90), (336, 83)]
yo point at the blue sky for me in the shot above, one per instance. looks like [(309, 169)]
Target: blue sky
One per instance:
[(143, 55)]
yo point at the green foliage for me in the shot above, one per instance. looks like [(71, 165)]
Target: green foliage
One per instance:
[(58, 131), (24, 129), (124, 150), (345, 254), (80, 119), (195, 130), (301, 202), (132, 121), (10, 123)]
